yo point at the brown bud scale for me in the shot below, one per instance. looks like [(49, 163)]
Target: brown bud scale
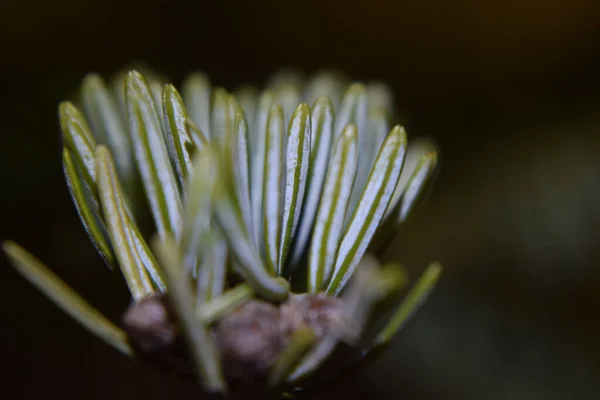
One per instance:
[(250, 339)]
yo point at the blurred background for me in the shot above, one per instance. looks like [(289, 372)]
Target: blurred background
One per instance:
[(509, 89)]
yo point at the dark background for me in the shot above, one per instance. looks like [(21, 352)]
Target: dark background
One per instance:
[(510, 90)]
